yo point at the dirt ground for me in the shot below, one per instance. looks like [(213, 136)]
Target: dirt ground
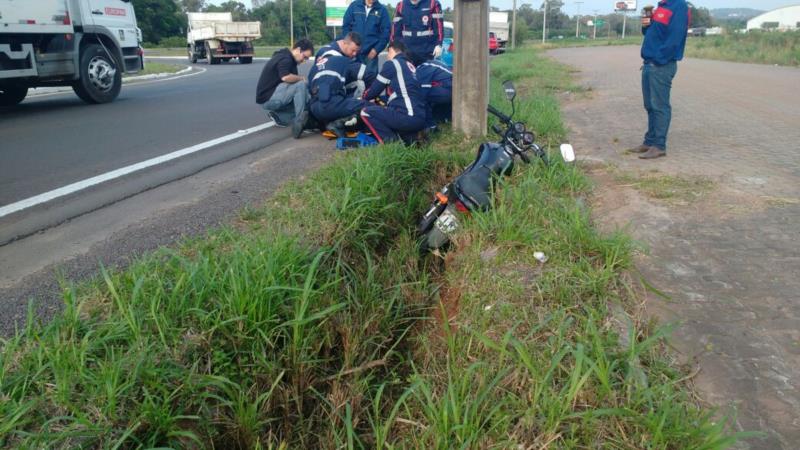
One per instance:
[(718, 220)]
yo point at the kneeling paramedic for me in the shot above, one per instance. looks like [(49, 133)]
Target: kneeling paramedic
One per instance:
[(405, 109), (436, 80), (330, 103)]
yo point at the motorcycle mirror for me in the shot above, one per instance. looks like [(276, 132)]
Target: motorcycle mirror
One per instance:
[(567, 153), (511, 92)]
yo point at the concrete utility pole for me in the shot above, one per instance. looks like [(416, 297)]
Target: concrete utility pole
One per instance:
[(578, 20), (471, 67), (514, 25), (624, 22), (594, 35), (544, 23)]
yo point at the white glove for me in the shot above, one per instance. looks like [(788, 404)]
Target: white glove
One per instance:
[(437, 51)]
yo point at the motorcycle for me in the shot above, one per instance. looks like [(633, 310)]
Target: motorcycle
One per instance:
[(472, 189)]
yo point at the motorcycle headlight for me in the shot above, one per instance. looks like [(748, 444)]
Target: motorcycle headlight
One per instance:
[(519, 127), (528, 138)]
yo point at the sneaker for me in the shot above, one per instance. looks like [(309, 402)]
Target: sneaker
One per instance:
[(299, 124), (274, 116), (653, 153), (640, 149), (337, 127)]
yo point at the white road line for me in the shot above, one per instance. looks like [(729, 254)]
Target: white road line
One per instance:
[(108, 176)]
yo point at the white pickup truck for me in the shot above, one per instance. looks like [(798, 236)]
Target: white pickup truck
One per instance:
[(86, 44), (216, 37)]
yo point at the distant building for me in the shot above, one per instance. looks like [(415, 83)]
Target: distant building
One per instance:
[(781, 19)]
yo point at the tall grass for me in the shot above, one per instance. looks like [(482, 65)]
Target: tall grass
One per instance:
[(782, 48), (313, 323)]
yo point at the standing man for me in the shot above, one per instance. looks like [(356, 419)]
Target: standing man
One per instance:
[(405, 110), (418, 25), (370, 19), (281, 91), (664, 41)]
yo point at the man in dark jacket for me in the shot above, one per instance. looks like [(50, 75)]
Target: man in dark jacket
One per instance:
[(436, 80), (370, 19), (281, 91), (664, 40), (405, 110), (419, 24)]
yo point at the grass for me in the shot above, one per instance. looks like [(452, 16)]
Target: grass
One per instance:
[(313, 322), (754, 47), (679, 189), (152, 67), (601, 41)]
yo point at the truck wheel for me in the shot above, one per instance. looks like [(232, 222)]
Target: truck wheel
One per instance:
[(211, 59), (192, 55), (100, 81), (12, 96), (246, 59)]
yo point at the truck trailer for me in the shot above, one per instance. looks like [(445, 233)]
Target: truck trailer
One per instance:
[(85, 44), (216, 37)]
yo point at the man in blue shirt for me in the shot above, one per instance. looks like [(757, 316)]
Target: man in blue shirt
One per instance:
[(664, 41), (370, 19)]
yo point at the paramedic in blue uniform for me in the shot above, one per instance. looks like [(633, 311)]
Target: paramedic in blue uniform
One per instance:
[(664, 41), (329, 99), (404, 112), (327, 94), (371, 20), (419, 25), (436, 80)]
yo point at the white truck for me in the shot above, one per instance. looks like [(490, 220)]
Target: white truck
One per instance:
[(86, 44), (498, 24), (216, 37)]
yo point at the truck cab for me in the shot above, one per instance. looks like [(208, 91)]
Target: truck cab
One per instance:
[(85, 44)]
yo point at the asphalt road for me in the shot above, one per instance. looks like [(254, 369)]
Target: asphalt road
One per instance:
[(54, 140)]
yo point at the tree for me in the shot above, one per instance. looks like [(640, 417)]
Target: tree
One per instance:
[(191, 5), (237, 10), (701, 17), (159, 19)]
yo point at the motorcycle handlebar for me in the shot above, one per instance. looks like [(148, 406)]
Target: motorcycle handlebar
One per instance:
[(499, 114)]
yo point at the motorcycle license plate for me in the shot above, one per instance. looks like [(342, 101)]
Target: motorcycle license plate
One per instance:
[(447, 222)]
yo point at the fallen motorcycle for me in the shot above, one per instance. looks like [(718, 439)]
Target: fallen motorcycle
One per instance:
[(472, 189)]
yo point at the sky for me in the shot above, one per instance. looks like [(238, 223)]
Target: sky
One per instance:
[(605, 6)]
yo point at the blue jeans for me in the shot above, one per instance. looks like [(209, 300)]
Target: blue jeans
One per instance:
[(372, 64), (288, 101), (656, 86)]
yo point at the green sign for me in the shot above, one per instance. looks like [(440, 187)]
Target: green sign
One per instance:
[(599, 22)]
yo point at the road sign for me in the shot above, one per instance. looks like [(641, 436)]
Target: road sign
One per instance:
[(334, 12), (599, 22), (627, 5)]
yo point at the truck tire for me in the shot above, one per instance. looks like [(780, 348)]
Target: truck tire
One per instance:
[(246, 59), (211, 59), (100, 80), (192, 55), (12, 95)]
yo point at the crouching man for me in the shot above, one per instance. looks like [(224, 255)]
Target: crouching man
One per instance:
[(404, 112), (330, 103), (281, 91), (436, 80)]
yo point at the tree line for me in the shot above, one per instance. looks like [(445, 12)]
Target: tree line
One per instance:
[(164, 21)]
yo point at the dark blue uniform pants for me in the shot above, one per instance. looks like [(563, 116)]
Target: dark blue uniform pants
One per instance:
[(656, 86), (336, 108), (385, 123), (440, 105)]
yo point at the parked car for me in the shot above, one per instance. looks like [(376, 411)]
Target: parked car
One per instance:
[(495, 46)]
